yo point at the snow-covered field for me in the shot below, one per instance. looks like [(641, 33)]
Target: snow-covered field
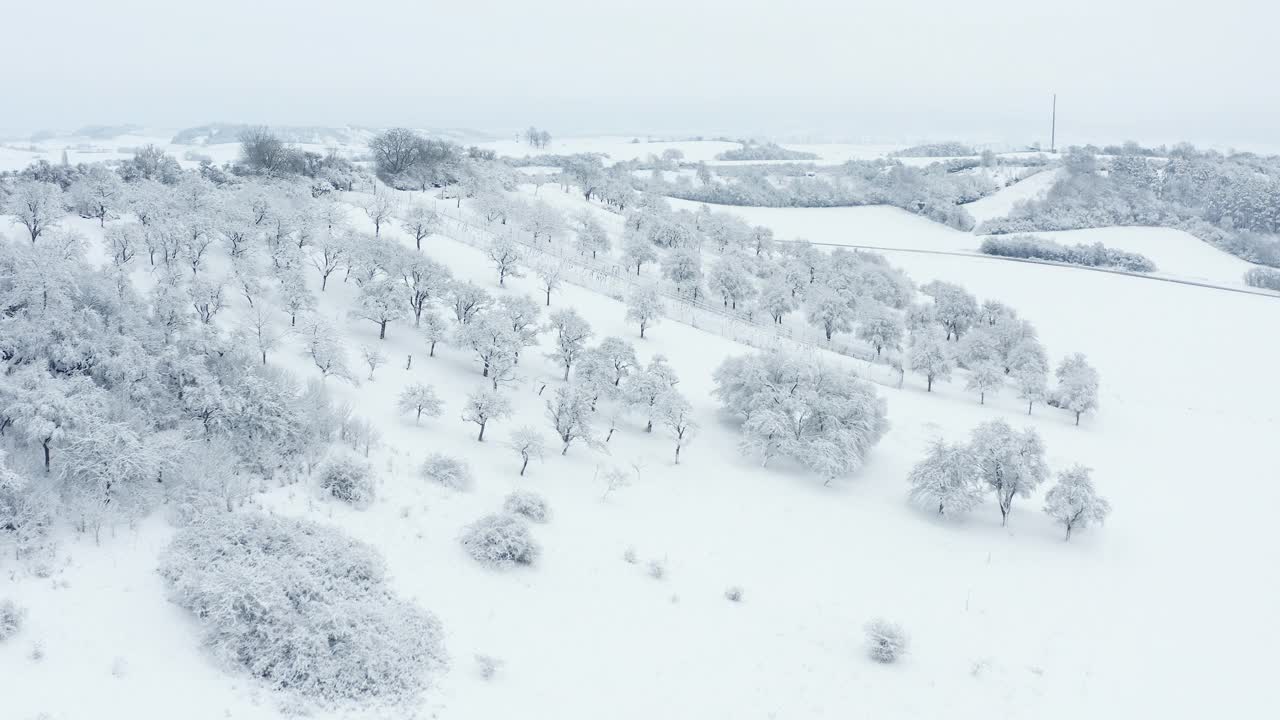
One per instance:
[(1167, 611)]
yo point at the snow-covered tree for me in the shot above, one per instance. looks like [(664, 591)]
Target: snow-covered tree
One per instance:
[(433, 330), (37, 206), (467, 300), (379, 208), (543, 221), (948, 477), (297, 299), (1032, 382), (985, 378), (420, 221), (644, 308), (683, 267), (776, 301), (955, 309), (43, 408), (1073, 502), (678, 420), (124, 240), (648, 390), (796, 407), (881, 328), (328, 254), (825, 308), (550, 276), (570, 414), (485, 405), (1077, 389), (373, 358), (98, 194), (380, 302), (591, 236), (326, 350), (527, 442), (731, 278), (505, 255), (420, 400), (1011, 463), (637, 251), (928, 356), (425, 281), (572, 333)]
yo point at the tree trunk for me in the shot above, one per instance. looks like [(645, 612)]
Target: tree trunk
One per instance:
[(324, 281), (382, 330), (1077, 419), (1028, 407), (566, 371), (481, 438), (929, 386), (45, 444), (433, 349), (524, 465), (548, 297)]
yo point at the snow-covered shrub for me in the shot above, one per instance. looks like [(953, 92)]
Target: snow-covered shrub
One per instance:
[(885, 641), (448, 471), (631, 555), (528, 504), (11, 619), (657, 569), (500, 541), (733, 593), (302, 607), (488, 666), (349, 480), (1095, 255), (1263, 278)]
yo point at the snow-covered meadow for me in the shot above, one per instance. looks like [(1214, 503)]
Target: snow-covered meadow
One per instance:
[(1166, 610)]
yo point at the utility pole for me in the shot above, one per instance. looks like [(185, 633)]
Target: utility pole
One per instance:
[(1053, 125)]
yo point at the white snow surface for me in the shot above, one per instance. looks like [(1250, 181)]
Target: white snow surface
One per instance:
[(1166, 611)]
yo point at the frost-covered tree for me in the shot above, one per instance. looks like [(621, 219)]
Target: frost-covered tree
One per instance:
[(683, 267), (124, 240), (380, 302), (373, 358), (483, 406), (955, 309), (1032, 382), (542, 220), (420, 400), (825, 308), (297, 299), (1077, 389), (648, 391), (433, 330), (796, 407), (591, 236), (569, 411), (98, 194), (1073, 502), (571, 335), (380, 209), (504, 253), (207, 298), (326, 350), (550, 277), (985, 378), (731, 278), (42, 408), (928, 356), (637, 251), (527, 442), (644, 308), (467, 300), (1011, 463), (425, 281), (38, 206), (500, 541), (677, 418), (328, 254), (419, 222), (881, 328), (948, 477)]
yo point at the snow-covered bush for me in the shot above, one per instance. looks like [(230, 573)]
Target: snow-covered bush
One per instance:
[(1095, 255), (11, 618), (885, 641), (733, 593), (948, 478), (448, 471), (1073, 502), (488, 666), (1263, 278), (500, 541), (349, 480), (793, 406), (527, 504), (302, 607)]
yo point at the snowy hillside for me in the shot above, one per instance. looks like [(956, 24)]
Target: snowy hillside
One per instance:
[(629, 611)]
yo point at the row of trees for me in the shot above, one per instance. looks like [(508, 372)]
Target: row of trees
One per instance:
[(1007, 463)]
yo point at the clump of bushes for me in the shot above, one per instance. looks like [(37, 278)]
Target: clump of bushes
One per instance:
[(1263, 278), (733, 594), (885, 641), (349, 480), (527, 504), (448, 471), (1095, 255), (751, 150), (302, 607), (941, 149), (11, 618), (500, 541)]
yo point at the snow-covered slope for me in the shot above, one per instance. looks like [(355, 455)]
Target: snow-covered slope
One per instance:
[(1165, 611)]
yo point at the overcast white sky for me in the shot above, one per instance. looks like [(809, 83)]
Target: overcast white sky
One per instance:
[(981, 70)]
